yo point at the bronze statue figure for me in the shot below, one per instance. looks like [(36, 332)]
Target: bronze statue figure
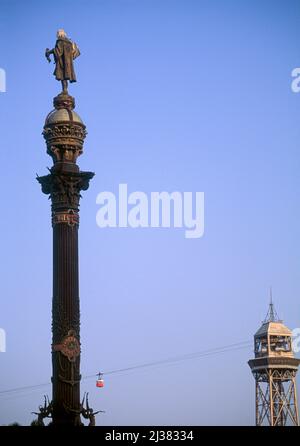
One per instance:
[(64, 53), (87, 412), (45, 412)]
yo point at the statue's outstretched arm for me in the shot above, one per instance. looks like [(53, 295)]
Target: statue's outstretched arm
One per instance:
[(48, 52)]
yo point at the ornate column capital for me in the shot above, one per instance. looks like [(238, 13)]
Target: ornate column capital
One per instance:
[(64, 189)]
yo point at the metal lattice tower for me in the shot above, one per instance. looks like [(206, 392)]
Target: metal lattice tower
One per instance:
[(274, 369)]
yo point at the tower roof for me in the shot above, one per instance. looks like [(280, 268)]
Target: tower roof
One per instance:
[(273, 328), (272, 325)]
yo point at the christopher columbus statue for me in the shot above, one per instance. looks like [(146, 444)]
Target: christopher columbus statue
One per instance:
[(64, 53)]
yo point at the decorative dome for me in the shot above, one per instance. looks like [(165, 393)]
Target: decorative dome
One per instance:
[(64, 133), (62, 115)]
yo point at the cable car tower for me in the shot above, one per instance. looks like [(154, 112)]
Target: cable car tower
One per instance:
[(274, 369)]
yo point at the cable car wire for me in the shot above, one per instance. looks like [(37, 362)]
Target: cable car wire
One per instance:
[(178, 358), (170, 360)]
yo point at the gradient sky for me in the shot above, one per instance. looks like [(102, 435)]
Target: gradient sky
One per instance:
[(176, 95)]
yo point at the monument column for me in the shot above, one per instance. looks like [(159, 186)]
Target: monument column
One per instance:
[(64, 133)]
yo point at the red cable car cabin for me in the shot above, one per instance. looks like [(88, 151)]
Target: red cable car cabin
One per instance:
[(100, 381)]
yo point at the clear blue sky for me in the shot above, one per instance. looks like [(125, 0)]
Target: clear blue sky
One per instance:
[(176, 95)]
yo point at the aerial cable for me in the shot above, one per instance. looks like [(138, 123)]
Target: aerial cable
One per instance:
[(170, 360)]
